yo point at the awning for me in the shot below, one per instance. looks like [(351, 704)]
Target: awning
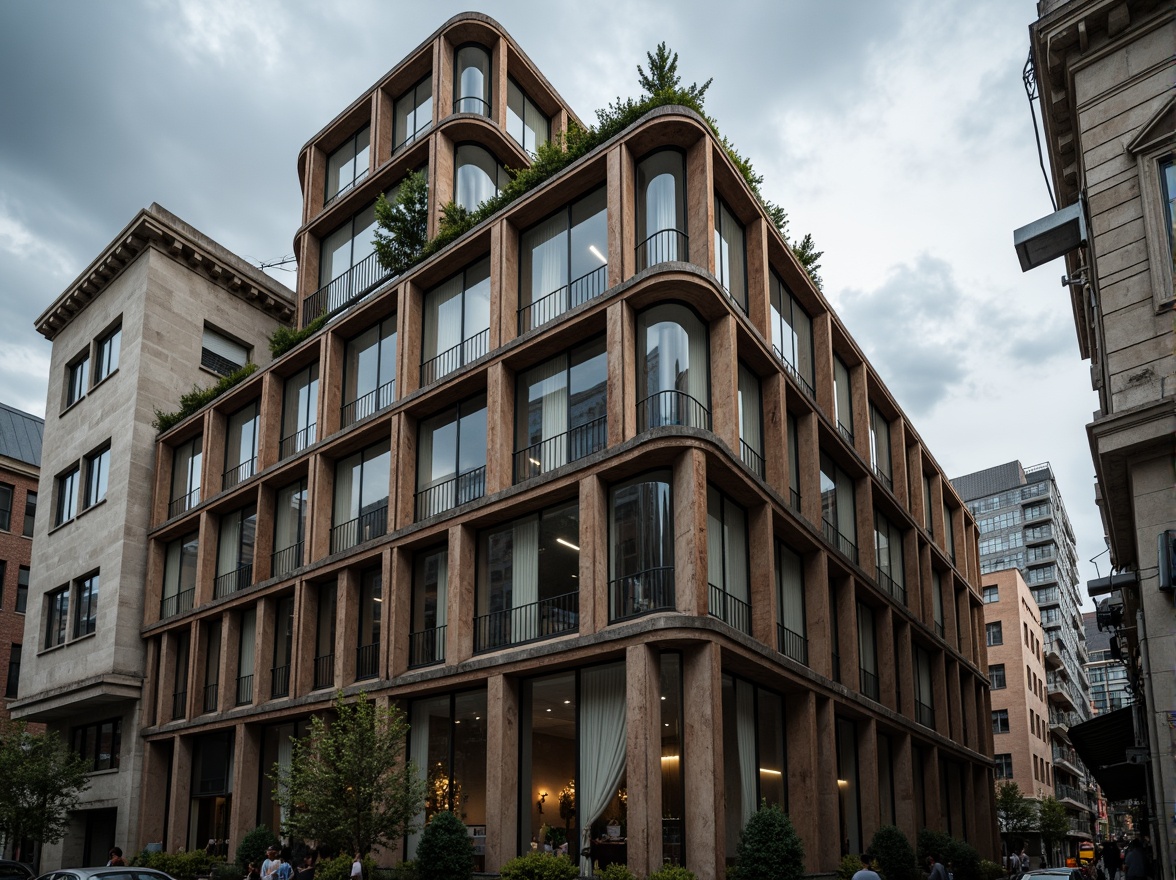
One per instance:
[(1102, 744)]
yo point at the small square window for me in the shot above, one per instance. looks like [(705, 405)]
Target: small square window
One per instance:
[(106, 354), (1004, 766), (22, 589), (994, 634), (30, 513), (56, 616), (5, 507), (97, 475), (991, 595), (996, 675), (77, 380), (67, 496), (1000, 721)]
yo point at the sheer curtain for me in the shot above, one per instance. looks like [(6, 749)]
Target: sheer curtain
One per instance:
[(736, 546), (602, 745), (750, 422), (714, 541), (248, 642), (791, 591), (346, 491), (696, 375), (525, 580), (549, 268), (418, 753), (230, 536), (442, 609), (442, 326), (745, 736), (554, 390)]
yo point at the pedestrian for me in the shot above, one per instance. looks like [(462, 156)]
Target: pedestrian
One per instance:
[(269, 867), (1024, 856), (1135, 862), (116, 858), (1112, 860), (306, 870), (867, 871), (357, 868), (285, 869), (251, 872), (935, 869), (1014, 864)]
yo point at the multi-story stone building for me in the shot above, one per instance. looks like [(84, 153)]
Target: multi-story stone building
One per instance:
[(603, 493), (1104, 73), (162, 308), (20, 464)]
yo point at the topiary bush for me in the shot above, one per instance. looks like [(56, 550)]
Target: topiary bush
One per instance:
[(539, 866), (672, 872), (615, 872), (253, 846), (849, 866), (445, 851), (769, 847), (895, 855), (990, 870), (181, 865), (339, 867), (964, 859)]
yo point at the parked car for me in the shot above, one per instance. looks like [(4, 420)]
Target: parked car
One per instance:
[(122, 872), (10, 870), (1053, 874)]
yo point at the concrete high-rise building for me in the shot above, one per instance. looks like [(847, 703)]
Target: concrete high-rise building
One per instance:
[(1103, 71)]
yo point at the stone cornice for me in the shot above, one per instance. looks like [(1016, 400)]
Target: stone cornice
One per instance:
[(155, 227)]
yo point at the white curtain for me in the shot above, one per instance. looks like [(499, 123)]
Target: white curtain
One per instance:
[(171, 569), (418, 753), (346, 490), (791, 591), (525, 579), (661, 202), (750, 422), (227, 552), (846, 513), (549, 268), (745, 736), (866, 642), (602, 745), (736, 541), (714, 541), (442, 326), (248, 641), (442, 604), (285, 751), (553, 386)]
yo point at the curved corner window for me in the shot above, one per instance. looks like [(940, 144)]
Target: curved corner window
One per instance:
[(673, 383), (641, 546), (661, 209), (471, 81), (478, 177)]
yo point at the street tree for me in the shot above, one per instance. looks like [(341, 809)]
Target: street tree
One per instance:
[(1052, 824), (1014, 812), (348, 786), (41, 781)]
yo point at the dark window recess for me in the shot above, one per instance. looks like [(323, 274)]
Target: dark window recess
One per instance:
[(99, 744), (220, 364)]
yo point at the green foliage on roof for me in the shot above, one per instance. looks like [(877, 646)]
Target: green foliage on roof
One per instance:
[(199, 397), (285, 338)]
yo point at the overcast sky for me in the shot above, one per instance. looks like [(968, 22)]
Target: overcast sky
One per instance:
[(897, 132)]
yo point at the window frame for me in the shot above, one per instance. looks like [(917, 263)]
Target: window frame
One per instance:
[(475, 486), (107, 349), (469, 348), (67, 488), (487, 96), (386, 341), (30, 514), (996, 672), (7, 490), (57, 607), (99, 458), (85, 613), (77, 378), (681, 215), (647, 418), (412, 92), (526, 101), (787, 329), (357, 176), (501, 177), (993, 634), (617, 570)]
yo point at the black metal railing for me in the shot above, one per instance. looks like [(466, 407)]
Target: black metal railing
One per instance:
[(367, 661), (296, 442), (472, 104), (179, 704), (846, 433), (869, 683), (572, 445), (730, 609), (232, 581), (527, 623), (891, 586), (239, 474), (184, 503), (426, 647), (346, 188), (412, 138), (551, 305), (244, 689), (324, 671), (672, 408), (794, 499), (924, 714), (884, 477), (369, 404), (345, 290), (364, 527), (640, 593), (664, 246), (211, 697), (791, 644), (286, 560), (181, 602), (751, 458), (939, 631), (805, 385), (280, 682), (465, 352), (844, 546), (454, 492)]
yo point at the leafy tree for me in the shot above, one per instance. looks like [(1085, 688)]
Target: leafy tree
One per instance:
[(808, 256), (348, 786), (1052, 824), (1014, 812), (253, 846), (672, 872), (769, 847), (41, 780), (895, 855), (663, 80), (445, 851), (402, 224)]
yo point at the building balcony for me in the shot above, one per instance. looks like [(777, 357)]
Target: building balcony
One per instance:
[(179, 603), (1053, 654), (805, 385), (893, 587), (367, 661), (426, 647), (751, 458), (280, 682), (452, 493), (239, 473), (184, 503), (286, 560), (527, 623), (1067, 759), (730, 609), (791, 644), (364, 527), (324, 671), (572, 445), (665, 246), (843, 545), (641, 593), (1068, 794), (296, 442), (230, 582), (672, 408), (551, 305), (367, 404), (211, 697), (345, 290), (244, 690), (465, 352)]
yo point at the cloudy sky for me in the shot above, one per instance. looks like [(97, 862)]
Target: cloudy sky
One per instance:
[(897, 132)]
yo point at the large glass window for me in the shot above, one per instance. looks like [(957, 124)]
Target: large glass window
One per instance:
[(673, 368), (563, 261), (413, 114), (22, 589), (751, 422), (848, 788), (6, 493), (528, 579), (880, 447), (561, 410), (478, 176), (324, 635), (246, 650), (430, 595), (289, 528), (234, 551), (792, 333), (179, 575), (185, 490), (283, 648), (641, 546), (661, 209), (85, 606), (727, 566), (1168, 177), (371, 606), (57, 615), (888, 556), (211, 806), (949, 532), (753, 753), (793, 629), (299, 411), (525, 122), (993, 633), (793, 463), (241, 446), (838, 507), (843, 399), (341, 255), (456, 322), (30, 513), (97, 476), (867, 651), (348, 164), (99, 744), (212, 650), (471, 81), (106, 354), (672, 787), (361, 497), (369, 371), (12, 686), (67, 496), (928, 522), (77, 380), (451, 458), (220, 354), (996, 676), (179, 706), (937, 601), (924, 693), (730, 253)]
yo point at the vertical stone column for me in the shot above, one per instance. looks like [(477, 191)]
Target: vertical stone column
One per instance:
[(246, 776), (968, 802), (263, 540), (689, 491), (398, 601), (269, 420), (346, 626), (621, 386), (496, 312), (500, 400), (950, 635), (150, 699), (898, 464), (823, 362), (887, 669), (230, 645), (805, 773), (764, 598), (508, 279), (384, 661), (459, 625), (403, 514), (332, 365), (166, 684), (847, 632), (827, 793), (703, 762), (320, 507), (955, 710), (859, 401), (216, 431), (643, 757), (381, 137), (700, 204), (206, 559), (818, 614), (306, 606), (153, 805), (502, 768), (934, 811), (777, 461), (181, 787), (903, 779), (863, 500), (621, 210), (939, 689), (905, 680), (966, 630), (409, 327), (757, 275), (867, 756), (810, 467), (593, 573), (725, 381), (161, 497), (263, 648)]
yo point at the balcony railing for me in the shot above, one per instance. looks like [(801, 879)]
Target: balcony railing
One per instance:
[(794, 499), (324, 671), (364, 527), (672, 408), (369, 404), (891, 586), (845, 432), (751, 458), (346, 188), (472, 104), (280, 682), (665, 246), (180, 603), (296, 442), (572, 445), (184, 503), (345, 290), (527, 623), (550, 306), (232, 581), (244, 690), (286, 560), (454, 492), (869, 683), (426, 647), (465, 352), (179, 705), (240, 473), (844, 546), (367, 661), (924, 714), (805, 385), (730, 609), (884, 477), (211, 697), (1069, 792), (791, 644), (649, 590), (412, 138)]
